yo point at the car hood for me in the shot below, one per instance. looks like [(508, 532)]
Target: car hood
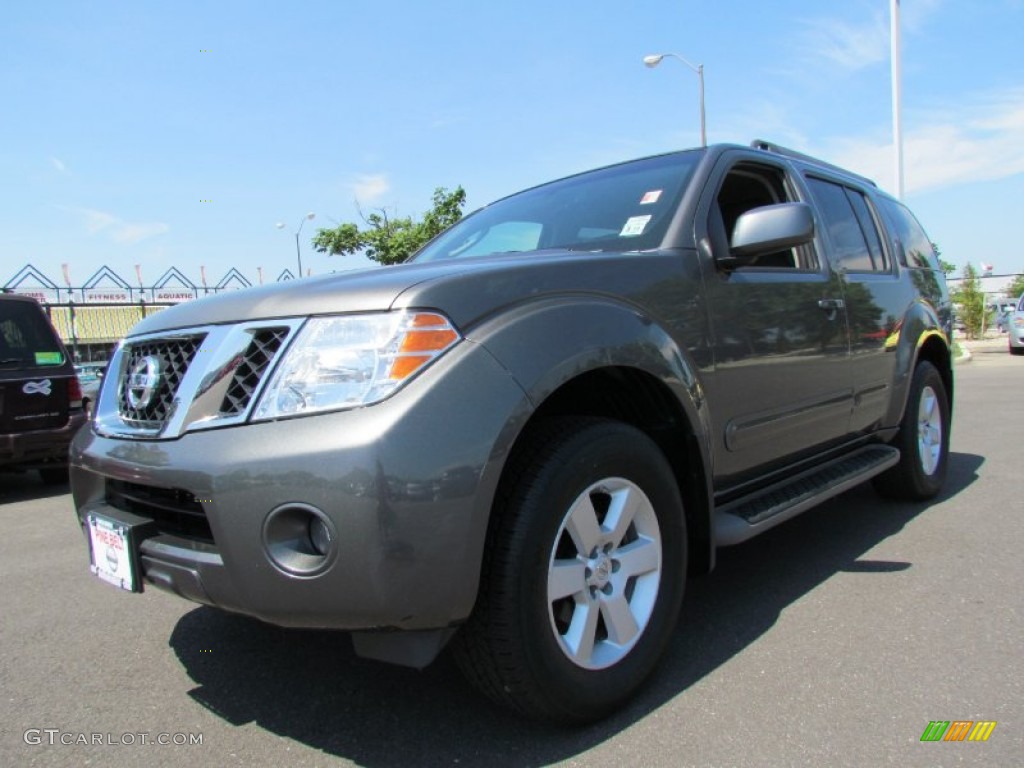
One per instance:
[(465, 289), (366, 290)]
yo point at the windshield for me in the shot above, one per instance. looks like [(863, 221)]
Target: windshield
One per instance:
[(621, 208)]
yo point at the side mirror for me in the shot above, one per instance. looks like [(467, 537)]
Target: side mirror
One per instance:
[(771, 228)]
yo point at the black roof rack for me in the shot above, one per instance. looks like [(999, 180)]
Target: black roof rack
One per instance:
[(768, 146)]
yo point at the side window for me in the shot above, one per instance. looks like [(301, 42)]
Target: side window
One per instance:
[(748, 186), (917, 248), (869, 228), (856, 245)]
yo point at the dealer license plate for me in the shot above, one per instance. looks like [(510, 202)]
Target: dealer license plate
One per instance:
[(112, 553)]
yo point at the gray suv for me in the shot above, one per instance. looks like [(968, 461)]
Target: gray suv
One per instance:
[(521, 443)]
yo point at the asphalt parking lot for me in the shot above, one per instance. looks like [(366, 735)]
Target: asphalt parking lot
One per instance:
[(832, 640)]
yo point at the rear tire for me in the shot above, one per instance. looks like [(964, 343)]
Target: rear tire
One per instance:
[(583, 573), (923, 440), (1016, 350)]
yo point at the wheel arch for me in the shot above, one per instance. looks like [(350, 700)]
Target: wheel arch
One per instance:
[(635, 397), (921, 339), (934, 348), (607, 360)]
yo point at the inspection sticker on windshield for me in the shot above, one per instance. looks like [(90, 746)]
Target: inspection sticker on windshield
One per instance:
[(634, 226), (651, 197)]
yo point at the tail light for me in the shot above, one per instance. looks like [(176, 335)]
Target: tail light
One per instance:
[(74, 392)]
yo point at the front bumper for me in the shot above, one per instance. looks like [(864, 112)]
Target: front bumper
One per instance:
[(407, 485)]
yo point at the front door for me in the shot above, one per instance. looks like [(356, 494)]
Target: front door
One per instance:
[(782, 387)]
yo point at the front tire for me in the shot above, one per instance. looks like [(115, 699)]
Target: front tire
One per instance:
[(923, 440), (583, 573)]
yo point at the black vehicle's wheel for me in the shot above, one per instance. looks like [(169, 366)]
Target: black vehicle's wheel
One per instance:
[(1016, 350), (583, 574), (923, 440)]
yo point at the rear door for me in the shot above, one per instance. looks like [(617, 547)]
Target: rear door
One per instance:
[(876, 298)]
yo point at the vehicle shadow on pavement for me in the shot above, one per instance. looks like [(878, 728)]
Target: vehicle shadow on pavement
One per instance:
[(309, 686), (24, 486)]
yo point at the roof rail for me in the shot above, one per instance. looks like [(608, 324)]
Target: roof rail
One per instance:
[(768, 146)]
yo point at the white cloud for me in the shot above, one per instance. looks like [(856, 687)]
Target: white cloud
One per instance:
[(855, 45), (118, 230), (58, 165), (851, 46), (369, 188), (915, 14), (133, 233), (975, 140)]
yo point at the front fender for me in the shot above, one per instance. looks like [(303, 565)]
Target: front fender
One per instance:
[(545, 344)]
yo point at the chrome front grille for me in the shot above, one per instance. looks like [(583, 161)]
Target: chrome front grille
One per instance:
[(179, 381), (174, 357), (249, 373)]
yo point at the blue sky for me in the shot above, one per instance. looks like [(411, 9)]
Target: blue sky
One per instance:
[(119, 119)]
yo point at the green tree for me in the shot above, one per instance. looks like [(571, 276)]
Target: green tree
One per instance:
[(970, 301), (947, 267), (1016, 288), (390, 239)]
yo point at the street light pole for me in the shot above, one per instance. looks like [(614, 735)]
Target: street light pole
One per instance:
[(655, 59), (298, 252), (897, 106)]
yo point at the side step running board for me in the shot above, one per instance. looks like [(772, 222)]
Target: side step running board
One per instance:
[(750, 515)]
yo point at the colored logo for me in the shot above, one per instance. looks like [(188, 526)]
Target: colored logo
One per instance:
[(958, 730), (143, 381), (37, 387)]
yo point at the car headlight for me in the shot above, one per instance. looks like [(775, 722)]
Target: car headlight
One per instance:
[(348, 361)]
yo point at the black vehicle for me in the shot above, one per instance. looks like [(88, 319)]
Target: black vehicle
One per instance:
[(523, 441), (40, 396)]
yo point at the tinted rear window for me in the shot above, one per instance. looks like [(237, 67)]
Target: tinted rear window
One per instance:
[(26, 337), (917, 248), (856, 245)]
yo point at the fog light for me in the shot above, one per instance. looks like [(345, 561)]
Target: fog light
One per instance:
[(299, 539)]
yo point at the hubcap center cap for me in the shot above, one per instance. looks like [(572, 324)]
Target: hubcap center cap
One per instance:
[(600, 570)]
